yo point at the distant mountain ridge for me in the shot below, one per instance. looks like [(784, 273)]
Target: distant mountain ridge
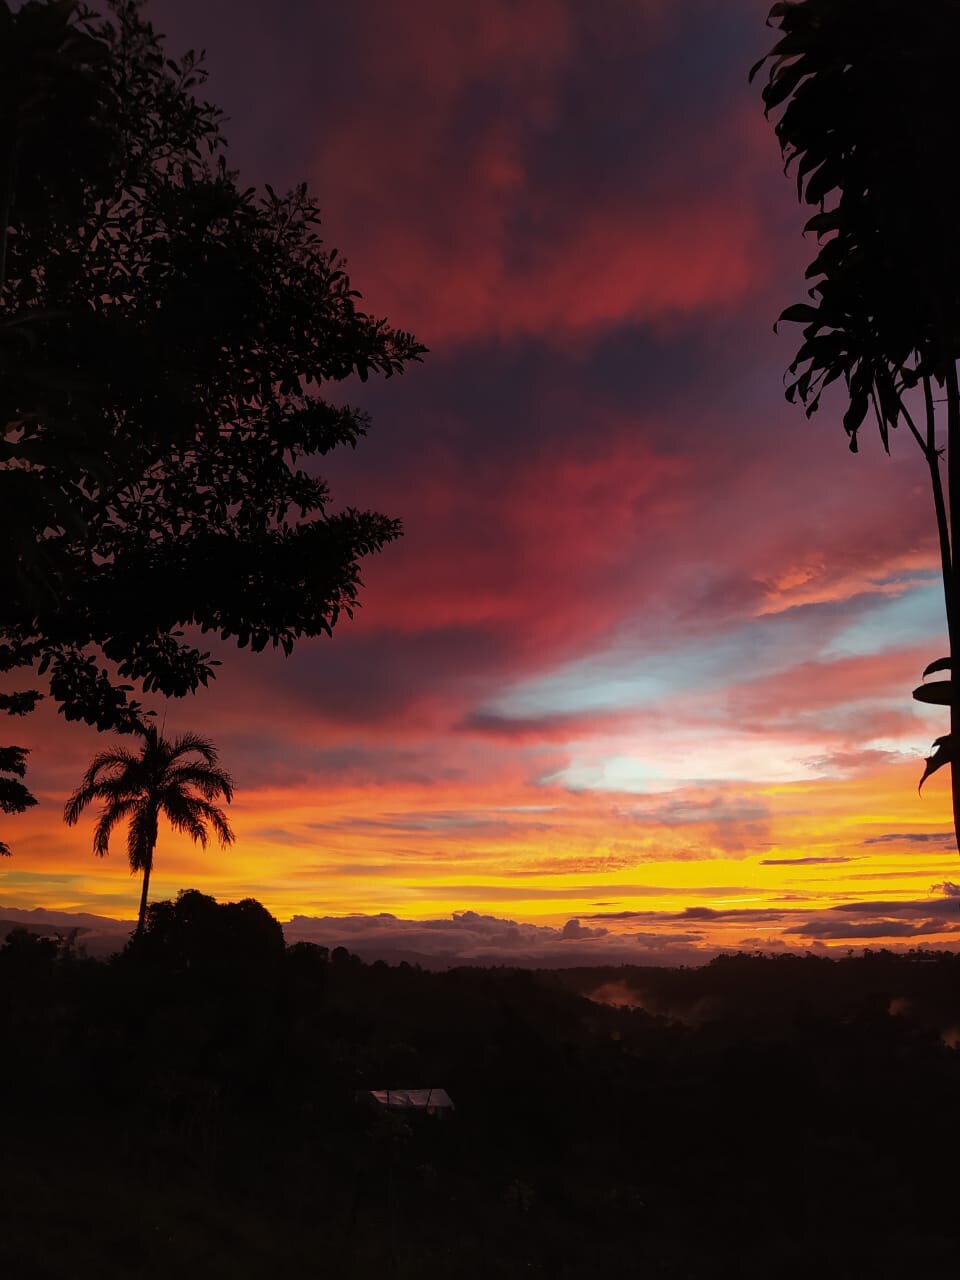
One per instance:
[(98, 936), (70, 919), (464, 938)]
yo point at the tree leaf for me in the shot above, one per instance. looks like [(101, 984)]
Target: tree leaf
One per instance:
[(853, 418), (942, 754), (941, 664), (799, 313), (938, 694)]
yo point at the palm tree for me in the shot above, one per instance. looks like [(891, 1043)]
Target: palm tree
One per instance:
[(138, 788)]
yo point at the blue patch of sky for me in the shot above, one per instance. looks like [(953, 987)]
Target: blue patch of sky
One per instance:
[(618, 773), (609, 682), (893, 622), (631, 674), (623, 679)]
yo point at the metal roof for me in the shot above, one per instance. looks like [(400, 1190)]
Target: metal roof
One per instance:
[(415, 1099)]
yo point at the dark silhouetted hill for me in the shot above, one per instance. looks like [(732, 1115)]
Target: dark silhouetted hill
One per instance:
[(190, 1106)]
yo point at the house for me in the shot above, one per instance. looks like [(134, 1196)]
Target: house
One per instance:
[(431, 1102)]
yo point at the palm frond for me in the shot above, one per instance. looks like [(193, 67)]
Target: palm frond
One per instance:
[(111, 815), (188, 742), (218, 820), (209, 780), (93, 786), (182, 812), (118, 758), (76, 804), (141, 836), (111, 790)]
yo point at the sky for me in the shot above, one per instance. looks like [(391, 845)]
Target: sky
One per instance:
[(636, 682)]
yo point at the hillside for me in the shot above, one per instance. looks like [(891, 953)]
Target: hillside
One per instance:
[(193, 1107)]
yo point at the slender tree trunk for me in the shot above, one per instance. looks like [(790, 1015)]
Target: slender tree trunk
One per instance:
[(943, 523), (953, 597), (143, 896), (152, 832)]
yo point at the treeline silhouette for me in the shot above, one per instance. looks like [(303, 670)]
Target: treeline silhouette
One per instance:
[(192, 1104)]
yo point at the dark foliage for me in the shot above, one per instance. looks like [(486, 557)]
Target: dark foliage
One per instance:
[(867, 113), (191, 1107), (14, 796), (165, 333), (210, 941), (866, 88)]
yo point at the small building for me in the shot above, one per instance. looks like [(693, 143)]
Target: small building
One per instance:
[(431, 1102)]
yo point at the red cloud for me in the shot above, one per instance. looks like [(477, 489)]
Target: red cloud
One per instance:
[(459, 233), (544, 551)]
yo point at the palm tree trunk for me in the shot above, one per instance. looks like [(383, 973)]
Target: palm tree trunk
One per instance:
[(143, 897), (148, 867)]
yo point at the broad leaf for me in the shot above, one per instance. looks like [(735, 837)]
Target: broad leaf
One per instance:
[(943, 754), (938, 694), (941, 664)]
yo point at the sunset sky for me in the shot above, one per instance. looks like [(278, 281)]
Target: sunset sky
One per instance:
[(636, 682)]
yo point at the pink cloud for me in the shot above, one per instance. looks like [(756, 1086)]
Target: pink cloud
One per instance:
[(815, 686), (463, 238)]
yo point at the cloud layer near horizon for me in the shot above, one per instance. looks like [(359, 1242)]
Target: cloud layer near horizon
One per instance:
[(646, 626)]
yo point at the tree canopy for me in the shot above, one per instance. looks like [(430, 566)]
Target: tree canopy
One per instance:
[(867, 98), (166, 778), (165, 337), (867, 121), (235, 941)]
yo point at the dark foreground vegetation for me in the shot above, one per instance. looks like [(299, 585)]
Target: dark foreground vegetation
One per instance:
[(190, 1109)]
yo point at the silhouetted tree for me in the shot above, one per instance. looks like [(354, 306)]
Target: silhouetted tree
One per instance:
[(137, 789), (868, 121), (25, 949), (14, 796), (196, 933), (164, 335)]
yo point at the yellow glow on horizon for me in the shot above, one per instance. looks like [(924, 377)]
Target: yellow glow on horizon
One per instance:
[(538, 855)]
